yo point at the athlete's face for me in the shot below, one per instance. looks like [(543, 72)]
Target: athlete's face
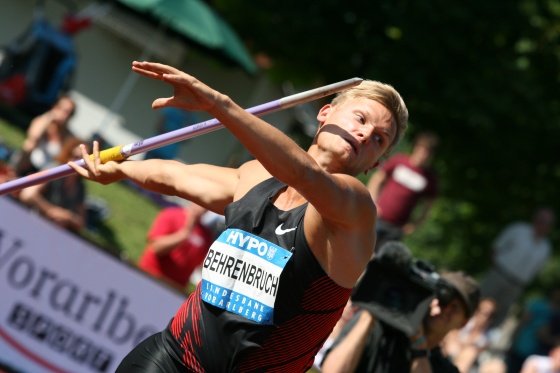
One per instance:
[(355, 134)]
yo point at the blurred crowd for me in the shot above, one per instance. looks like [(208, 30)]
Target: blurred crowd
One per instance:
[(480, 328), (180, 235), (49, 143)]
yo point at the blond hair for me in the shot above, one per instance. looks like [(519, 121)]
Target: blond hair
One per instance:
[(387, 96)]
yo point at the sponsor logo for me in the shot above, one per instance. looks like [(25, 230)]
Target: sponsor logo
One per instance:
[(279, 231)]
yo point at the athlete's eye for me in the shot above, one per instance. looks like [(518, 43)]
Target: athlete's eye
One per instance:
[(360, 118), (379, 139)]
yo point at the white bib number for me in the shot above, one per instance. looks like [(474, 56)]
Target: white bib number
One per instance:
[(241, 274)]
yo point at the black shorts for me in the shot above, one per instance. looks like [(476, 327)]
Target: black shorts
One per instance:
[(151, 356)]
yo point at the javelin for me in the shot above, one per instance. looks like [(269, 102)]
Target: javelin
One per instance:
[(122, 152)]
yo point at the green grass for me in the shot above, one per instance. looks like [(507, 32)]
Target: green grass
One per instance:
[(13, 136), (131, 214)]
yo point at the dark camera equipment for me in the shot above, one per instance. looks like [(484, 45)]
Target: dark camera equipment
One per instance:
[(398, 289)]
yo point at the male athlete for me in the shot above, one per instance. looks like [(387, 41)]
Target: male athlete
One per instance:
[(300, 229)]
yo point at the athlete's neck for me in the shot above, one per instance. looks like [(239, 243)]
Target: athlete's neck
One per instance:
[(288, 198)]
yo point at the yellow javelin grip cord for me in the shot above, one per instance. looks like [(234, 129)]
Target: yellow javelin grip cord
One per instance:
[(111, 154)]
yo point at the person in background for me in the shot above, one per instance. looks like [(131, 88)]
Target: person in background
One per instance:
[(518, 254), (543, 364), (45, 136), (527, 337), (402, 183), (300, 229), (177, 244), (370, 345), (61, 200), (464, 346)]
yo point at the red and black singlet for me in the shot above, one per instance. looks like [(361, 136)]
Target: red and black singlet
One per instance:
[(234, 333)]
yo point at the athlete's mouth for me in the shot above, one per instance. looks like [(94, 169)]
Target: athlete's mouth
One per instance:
[(352, 144)]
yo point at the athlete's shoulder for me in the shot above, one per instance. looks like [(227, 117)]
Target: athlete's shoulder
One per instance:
[(251, 173), (250, 166)]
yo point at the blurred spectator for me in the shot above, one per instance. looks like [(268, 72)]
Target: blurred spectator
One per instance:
[(543, 364), (525, 340), (400, 184), (177, 244), (368, 344), (518, 253), (61, 200), (465, 346), (171, 119), (45, 137)]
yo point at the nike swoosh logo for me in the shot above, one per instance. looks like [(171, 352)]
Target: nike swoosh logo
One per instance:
[(279, 231)]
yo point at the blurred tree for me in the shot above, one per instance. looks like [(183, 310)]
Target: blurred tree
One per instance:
[(483, 74)]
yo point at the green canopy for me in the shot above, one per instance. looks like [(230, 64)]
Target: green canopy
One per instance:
[(199, 23)]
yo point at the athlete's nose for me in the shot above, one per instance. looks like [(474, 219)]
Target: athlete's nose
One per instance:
[(365, 133)]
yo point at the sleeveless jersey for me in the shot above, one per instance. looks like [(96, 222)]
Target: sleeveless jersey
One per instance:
[(265, 304)]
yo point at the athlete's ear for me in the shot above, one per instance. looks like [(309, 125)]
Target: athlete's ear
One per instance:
[(323, 113)]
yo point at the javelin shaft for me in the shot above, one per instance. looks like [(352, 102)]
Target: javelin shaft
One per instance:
[(124, 151)]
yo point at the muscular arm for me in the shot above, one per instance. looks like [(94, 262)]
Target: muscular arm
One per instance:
[(209, 186)]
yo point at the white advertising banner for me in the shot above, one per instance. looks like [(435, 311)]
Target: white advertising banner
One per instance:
[(67, 306)]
